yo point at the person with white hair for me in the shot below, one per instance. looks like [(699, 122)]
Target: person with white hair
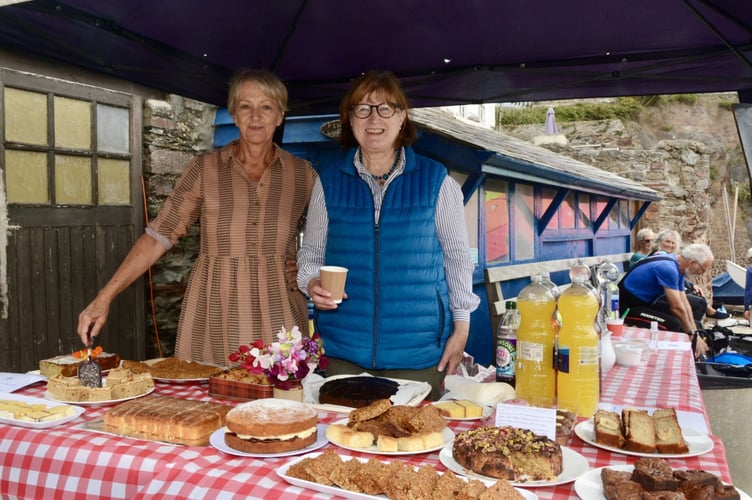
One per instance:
[(748, 285), (653, 290), (644, 240), (669, 241)]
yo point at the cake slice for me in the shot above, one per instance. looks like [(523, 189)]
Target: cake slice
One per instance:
[(654, 474), (607, 427), (472, 410), (668, 435), (67, 365), (639, 431), (450, 409)]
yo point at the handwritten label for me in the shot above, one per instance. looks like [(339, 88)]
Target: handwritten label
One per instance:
[(10, 382), (541, 421)]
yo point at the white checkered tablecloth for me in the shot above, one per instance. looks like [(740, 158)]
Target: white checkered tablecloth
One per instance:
[(69, 462)]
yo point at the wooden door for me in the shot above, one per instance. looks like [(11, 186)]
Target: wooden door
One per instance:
[(70, 203)]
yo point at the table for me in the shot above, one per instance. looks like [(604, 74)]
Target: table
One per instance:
[(67, 462)]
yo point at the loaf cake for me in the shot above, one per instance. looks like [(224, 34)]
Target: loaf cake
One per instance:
[(162, 418), (356, 392), (668, 434), (67, 365), (508, 453), (120, 383), (271, 426), (639, 430), (607, 427), (636, 430)]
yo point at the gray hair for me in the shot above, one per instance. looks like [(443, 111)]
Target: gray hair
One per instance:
[(666, 234), (698, 252), (642, 233)]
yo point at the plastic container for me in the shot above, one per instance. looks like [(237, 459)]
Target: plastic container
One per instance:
[(578, 375), (628, 353), (536, 377), (506, 344)]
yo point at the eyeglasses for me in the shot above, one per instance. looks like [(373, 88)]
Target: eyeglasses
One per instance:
[(647, 241), (703, 268), (384, 110)]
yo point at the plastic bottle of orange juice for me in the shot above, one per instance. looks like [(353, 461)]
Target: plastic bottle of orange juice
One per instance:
[(578, 364), (536, 378)]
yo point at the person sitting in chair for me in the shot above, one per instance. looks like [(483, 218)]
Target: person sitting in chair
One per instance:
[(653, 290)]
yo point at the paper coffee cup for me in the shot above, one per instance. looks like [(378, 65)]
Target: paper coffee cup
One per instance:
[(615, 326), (333, 279)]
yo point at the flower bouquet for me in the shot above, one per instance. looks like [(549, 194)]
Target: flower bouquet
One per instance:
[(286, 361)]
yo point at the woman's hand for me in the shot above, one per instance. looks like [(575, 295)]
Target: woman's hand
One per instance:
[(455, 348), (321, 297), (94, 316)]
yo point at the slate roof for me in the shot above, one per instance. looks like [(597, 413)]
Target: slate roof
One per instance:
[(517, 158)]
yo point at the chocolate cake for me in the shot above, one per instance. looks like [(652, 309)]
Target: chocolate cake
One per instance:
[(508, 453), (356, 392), (654, 474)]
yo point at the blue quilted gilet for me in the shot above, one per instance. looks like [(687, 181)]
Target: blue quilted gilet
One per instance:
[(397, 312)]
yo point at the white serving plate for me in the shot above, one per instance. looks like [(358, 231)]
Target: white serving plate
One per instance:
[(589, 486), (342, 493), (574, 466), (697, 442), (217, 440), (32, 400), (446, 434), (47, 395)]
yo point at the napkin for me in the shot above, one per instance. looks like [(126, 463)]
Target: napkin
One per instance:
[(485, 393)]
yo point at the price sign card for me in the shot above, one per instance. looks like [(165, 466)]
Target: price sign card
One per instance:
[(541, 421)]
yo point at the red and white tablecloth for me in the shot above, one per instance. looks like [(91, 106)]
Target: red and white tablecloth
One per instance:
[(69, 462)]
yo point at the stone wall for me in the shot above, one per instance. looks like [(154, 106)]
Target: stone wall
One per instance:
[(175, 130), (688, 153)]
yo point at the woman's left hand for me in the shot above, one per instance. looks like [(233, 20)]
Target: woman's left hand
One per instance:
[(320, 296)]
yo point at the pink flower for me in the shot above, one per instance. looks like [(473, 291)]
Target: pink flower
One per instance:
[(291, 357)]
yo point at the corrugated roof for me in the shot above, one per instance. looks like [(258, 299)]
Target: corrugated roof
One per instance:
[(516, 158)]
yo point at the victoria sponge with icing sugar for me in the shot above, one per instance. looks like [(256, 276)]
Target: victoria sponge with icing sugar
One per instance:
[(271, 426)]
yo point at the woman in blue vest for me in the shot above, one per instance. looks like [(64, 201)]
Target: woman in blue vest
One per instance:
[(396, 221)]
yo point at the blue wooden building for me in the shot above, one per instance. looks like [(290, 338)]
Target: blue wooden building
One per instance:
[(527, 208)]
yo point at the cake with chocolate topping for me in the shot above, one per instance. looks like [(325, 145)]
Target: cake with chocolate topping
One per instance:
[(357, 392), (508, 453)]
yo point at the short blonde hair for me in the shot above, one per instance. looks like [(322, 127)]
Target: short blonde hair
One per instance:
[(270, 84)]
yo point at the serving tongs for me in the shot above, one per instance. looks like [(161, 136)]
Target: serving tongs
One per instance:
[(89, 372)]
